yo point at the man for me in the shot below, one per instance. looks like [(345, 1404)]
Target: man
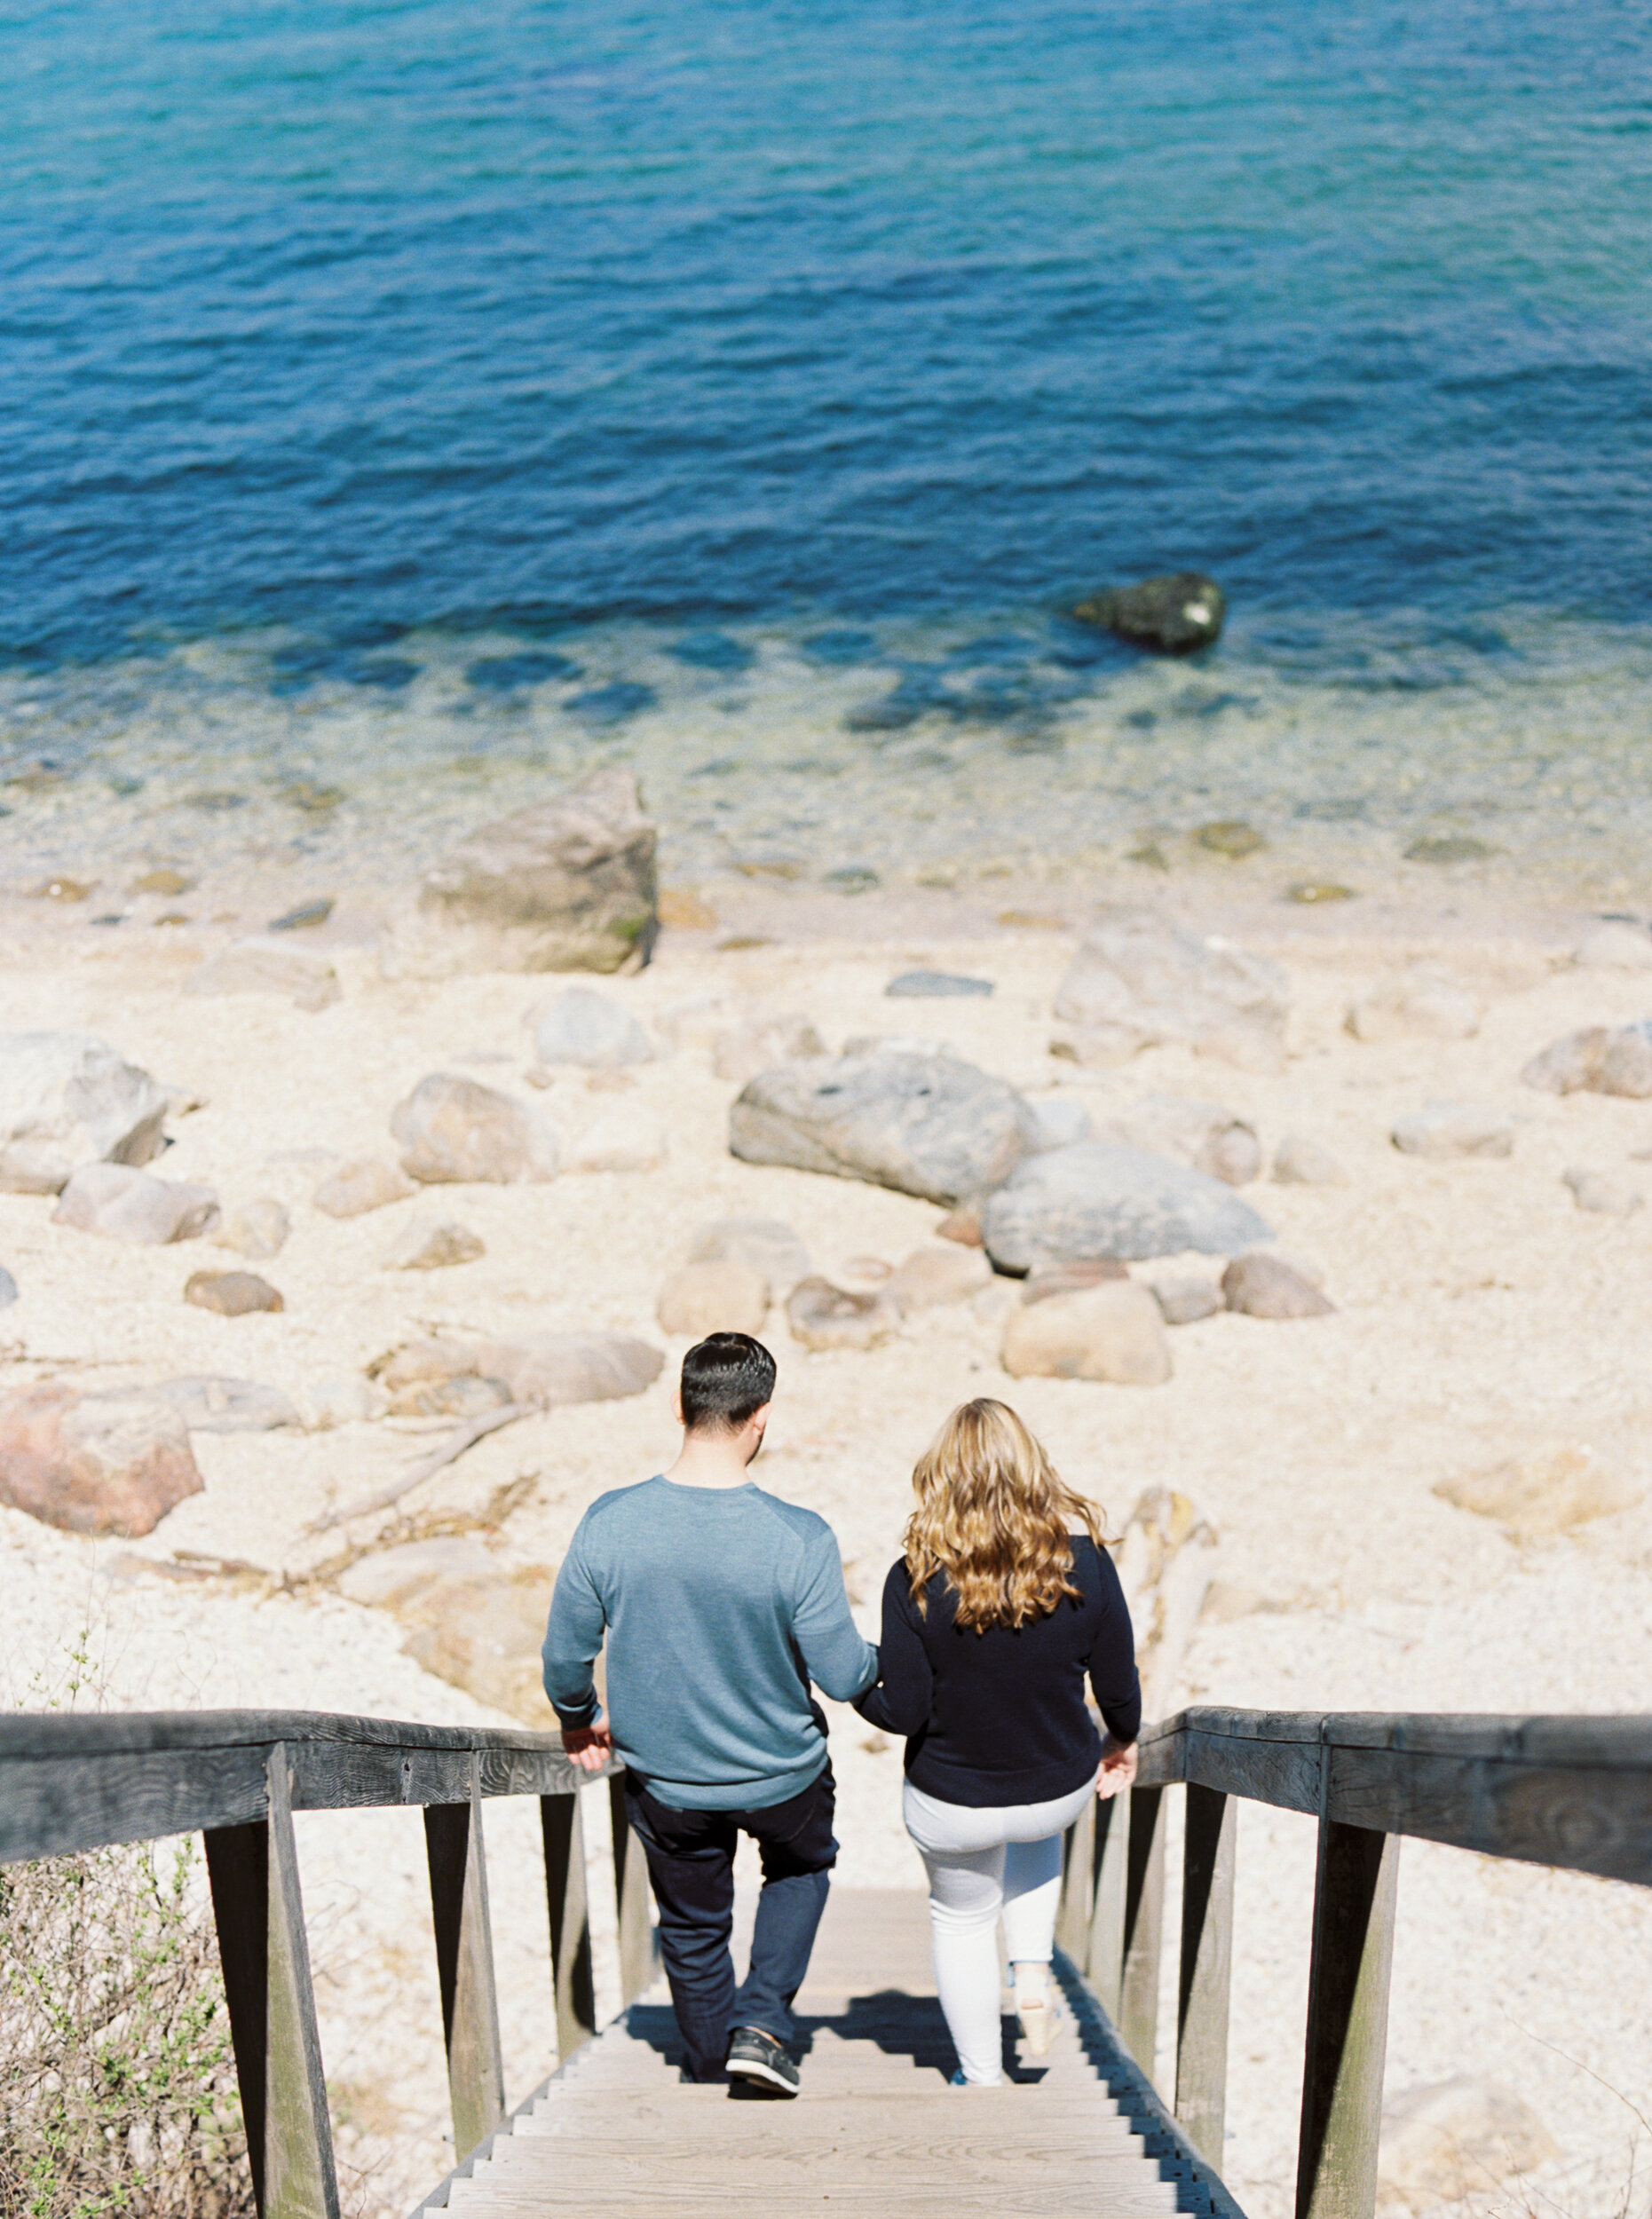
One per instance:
[(720, 1605)]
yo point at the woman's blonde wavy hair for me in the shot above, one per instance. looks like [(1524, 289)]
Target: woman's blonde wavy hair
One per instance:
[(994, 1514)]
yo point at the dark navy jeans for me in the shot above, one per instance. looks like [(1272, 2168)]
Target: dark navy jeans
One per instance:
[(690, 1862)]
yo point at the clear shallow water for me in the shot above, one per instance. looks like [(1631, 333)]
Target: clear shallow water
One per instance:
[(412, 402)]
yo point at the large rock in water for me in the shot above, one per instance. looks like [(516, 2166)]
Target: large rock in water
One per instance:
[(1139, 981), (924, 1125), (1173, 615), (110, 1463), (567, 885), (455, 1131), (1092, 1200), (67, 1099)]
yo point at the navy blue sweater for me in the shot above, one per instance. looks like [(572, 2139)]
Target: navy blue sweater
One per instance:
[(998, 1717)]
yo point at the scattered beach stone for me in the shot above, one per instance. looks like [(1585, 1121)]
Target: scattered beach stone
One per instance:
[(1113, 1332), (1063, 1120), (546, 1370), (8, 1289), (757, 1044), (1444, 848), (1441, 1129), (625, 1138), (930, 1277), (1451, 2142), (1173, 615), (169, 884), (1310, 890), (434, 1248), (1138, 982), (210, 1405), (344, 1399), (567, 884), (230, 1293), (962, 1225), (1185, 1301), (1229, 836), (1299, 1162), (367, 1183), (713, 1297), (1200, 1133), (924, 1125), (685, 910), (1599, 1060), (268, 967), (824, 1316), (456, 1131), (1545, 1492), (1598, 1191), (257, 1230), (124, 1204), (1425, 1002), (66, 1099), (1267, 1286), (1045, 1280), (765, 1244), (581, 1026), (304, 918), (62, 890), (107, 1463), (1614, 946), (937, 986), (1096, 1200)]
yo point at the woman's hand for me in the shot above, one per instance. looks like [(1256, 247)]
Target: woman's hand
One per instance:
[(1118, 1772)]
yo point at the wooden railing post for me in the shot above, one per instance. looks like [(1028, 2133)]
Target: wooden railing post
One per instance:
[(1143, 1926), (1347, 2022), (464, 1965), (565, 1894), (1077, 1888), (1205, 1966), (630, 1888), (253, 1869), (1107, 1917)]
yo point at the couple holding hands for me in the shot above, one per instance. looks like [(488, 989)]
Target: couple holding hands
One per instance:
[(722, 1604)]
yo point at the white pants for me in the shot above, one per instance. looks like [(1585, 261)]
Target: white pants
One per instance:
[(983, 1863)]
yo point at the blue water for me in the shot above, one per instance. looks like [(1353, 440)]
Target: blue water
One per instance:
[(425, 374)]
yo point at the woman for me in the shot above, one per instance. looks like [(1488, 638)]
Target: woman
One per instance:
[(992, 1620)]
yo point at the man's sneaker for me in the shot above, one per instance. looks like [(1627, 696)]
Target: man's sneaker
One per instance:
[(755, 2055)]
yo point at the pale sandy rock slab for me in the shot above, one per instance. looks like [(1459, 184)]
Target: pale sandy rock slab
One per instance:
[(1599, 1060), (738, 1051), (962, 1225), (567, 885), (230, 1293), (766, 1245), (456, 1131), (626, 1137), (1063, 1120), (1088, 1271), (108, 1463), (713, 1297), (1302, 1162), (124, 1203), (367, 1183), (393, 1576), (344, 1399), (1094, 1200), (1615, 947), (483, 1634), (211, 1405), (1424, 1002), (1443, 1129), (67, 1099), (1546, 1492), (923, 1124), (1113, 1332), (1185, 1301), (1138, 981), (262, 966), (434, 1247), (1454, 2140), (1598, 1192), (824, 1316), (542, 1368), (1203, 1134), (467, 1394), (581, 1026), (931, 1278), (257, 1230), (1267, 1286)]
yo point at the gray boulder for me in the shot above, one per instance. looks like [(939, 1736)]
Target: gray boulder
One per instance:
[(924, 1125), (67, 1099), (1138, 982), (126, 1204), (1600, 1059), (544, 1369), (1201, 1133), (581, 1026), (567, 885), (456, 1131), (1094, 1200), (937, 986), (1173, 615), (8, 1289), (1267, 1286)]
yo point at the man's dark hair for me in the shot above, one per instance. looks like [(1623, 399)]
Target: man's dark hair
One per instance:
[(726, 1379)]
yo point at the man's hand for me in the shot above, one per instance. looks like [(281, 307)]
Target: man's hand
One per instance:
[(1118, 1772), (589, 1747)]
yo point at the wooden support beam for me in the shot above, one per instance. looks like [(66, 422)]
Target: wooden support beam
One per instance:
[(569, 1905), (1206, 1964), (1107, 1918), (1347, 2022), (1143, 1926), (464, 1966), (1077, 1887), (257, 1903), (630, 1888)]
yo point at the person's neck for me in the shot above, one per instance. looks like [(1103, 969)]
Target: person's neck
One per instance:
[(713, 1460)]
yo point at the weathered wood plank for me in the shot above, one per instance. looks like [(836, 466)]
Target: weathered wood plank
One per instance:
[(1207, 1962), (630, 1885), (1347, 2022), (54, 1733), (1284, 1774), (563, 1830), (1143, 1926), (464, 1963), (50, 1808), (1106, 1946), (238, 1870), (299, 2178), (1078, 1886)]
